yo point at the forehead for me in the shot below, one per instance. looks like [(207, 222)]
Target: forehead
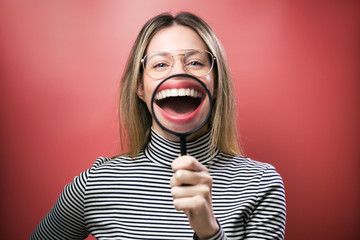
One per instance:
[(175, 38)]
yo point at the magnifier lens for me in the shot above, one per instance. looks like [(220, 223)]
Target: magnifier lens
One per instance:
[(181, 104)]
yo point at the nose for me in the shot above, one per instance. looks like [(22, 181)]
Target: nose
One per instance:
[(178, 66)]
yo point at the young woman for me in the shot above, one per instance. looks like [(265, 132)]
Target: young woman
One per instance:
[(150, 192)]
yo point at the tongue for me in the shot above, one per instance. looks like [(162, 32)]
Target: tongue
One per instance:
[(179, 106)]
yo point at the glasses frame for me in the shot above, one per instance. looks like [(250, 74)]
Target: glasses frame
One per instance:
[(213, 58)]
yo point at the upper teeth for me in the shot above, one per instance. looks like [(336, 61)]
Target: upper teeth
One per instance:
[(178, 92)]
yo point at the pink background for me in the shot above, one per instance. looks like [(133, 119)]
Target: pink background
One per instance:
[(296, 71)]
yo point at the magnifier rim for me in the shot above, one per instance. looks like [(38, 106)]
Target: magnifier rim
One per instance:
[(195, 129)]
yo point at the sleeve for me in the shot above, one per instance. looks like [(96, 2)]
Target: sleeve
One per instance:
[(66, 219), (220, 235), (268, 218)]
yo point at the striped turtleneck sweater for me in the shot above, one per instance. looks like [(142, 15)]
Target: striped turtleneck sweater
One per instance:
[(130, 198)]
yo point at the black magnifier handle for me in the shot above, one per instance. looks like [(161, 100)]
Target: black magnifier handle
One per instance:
[(183, 145)]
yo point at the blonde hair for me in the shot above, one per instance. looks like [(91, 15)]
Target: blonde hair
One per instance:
[(135, 118)]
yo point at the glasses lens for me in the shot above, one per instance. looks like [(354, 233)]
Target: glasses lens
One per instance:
[(158, 65), (198, 63)]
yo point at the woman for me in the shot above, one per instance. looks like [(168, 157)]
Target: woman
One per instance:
[(152, 193)]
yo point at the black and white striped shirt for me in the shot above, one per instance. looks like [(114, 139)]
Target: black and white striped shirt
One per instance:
[(130, 198)]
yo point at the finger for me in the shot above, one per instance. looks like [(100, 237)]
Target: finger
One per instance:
[(189, 203), (186, 177), (187, 163), (191, 191)]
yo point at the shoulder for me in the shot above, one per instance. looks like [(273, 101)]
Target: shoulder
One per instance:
[(245, 171), (238, 168), (103, 164), (99, 162), (240, 163)]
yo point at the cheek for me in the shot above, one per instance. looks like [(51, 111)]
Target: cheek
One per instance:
[(149, 88), (209, 82)]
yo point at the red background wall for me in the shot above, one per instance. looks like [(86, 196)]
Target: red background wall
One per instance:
[(296, 70)]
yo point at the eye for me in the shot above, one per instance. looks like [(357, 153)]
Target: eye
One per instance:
[(195, 63), (160, 65), (159, 61)]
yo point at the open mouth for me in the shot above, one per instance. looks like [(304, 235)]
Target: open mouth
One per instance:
[(179, 102)]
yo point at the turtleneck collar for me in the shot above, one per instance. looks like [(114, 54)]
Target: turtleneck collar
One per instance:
[(163, 151)]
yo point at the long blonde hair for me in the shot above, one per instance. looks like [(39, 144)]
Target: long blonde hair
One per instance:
[(135, 118)]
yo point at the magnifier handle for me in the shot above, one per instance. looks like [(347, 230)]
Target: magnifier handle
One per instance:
[(183, 145)]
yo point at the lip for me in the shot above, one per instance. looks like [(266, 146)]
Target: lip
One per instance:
[(179, 85)]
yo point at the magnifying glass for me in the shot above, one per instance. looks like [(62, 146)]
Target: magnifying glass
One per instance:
[(181, 105)]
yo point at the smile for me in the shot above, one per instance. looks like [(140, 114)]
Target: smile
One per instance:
[(182, 92), (180, 102)]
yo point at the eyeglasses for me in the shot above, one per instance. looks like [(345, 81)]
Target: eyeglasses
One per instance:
[(198, 63)]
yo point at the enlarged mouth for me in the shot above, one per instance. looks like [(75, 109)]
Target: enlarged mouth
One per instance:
[(179, 102)]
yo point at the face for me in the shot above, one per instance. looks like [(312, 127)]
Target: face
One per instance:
[(181, 103)]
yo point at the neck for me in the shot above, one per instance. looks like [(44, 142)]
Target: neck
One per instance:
[(163, 151), (175, 138)]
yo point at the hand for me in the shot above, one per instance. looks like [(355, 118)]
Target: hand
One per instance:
[(191, 190)]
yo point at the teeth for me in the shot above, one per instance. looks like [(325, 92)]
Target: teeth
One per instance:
[(174, 92), (182, 92), (178, 92)]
